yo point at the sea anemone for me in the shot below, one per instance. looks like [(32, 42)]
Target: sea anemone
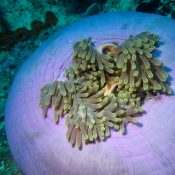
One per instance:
[(95, 77), (104, 91)]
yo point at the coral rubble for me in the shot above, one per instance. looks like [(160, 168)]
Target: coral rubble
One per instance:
[(162, 7), (106, 87), (9, 38)]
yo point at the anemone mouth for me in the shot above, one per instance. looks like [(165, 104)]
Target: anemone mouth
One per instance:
[(105, 87)]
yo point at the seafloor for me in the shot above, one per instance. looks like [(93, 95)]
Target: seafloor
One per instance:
[(25, 24)]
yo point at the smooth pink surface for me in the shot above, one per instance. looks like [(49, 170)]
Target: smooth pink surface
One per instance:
[(40, 146)]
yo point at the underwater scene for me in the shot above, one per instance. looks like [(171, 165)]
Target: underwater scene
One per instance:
[(87, 87)]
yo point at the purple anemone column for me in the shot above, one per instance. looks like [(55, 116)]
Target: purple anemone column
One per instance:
[(40, 146)]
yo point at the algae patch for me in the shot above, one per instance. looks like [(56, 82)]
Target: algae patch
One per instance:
[(105, 87)]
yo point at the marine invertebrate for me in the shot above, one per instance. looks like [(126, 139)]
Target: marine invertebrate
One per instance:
[(104, 91), (40, 146)]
